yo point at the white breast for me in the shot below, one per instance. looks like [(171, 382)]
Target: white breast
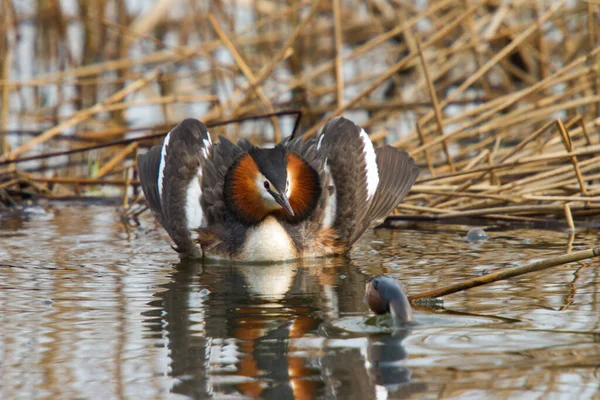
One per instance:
[(268, 241)]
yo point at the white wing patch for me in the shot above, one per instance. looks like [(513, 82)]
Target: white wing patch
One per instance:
[(331, 204), (161, 167), (193, 210), (320, 142), (371, 162), (207, 143)]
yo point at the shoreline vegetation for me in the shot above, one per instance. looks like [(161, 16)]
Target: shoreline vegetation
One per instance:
[(498, 103)]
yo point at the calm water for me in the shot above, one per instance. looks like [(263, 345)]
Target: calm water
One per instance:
[(93, 309)]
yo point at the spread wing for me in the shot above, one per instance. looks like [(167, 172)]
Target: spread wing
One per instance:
[(368, 183), (148, 165), (171, 176), (397, 174)]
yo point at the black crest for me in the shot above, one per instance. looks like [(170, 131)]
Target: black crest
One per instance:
[(272, 163)]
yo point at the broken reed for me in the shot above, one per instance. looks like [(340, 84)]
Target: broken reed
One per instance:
[(507, 274), (501, 116)]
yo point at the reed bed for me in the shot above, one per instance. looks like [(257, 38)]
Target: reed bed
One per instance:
[(498, 102)]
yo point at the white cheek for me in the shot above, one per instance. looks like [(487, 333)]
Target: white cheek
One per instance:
[(268, 200)]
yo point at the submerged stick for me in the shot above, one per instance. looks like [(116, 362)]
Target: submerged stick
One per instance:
[(508, 273)]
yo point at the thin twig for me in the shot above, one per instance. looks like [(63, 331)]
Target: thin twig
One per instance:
[(508, 273)]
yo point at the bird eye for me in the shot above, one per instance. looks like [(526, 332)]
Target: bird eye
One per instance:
[(267, 186)]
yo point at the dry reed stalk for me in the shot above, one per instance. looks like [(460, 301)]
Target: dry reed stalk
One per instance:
[(514, 150), (369, 45), (500, 55), (494, 94), (124, 167), (462, 193), (592, 41), (82, 181), (378, 136), (538, 115), (521, 209), (411, 207), (508, 273), (157, 57), (243, 66), (570, 199), (125, 188), (579, 119), (394, 69), (436, 106), (426, 153), (161, 100), (339, 75), (479, 187), (82, 115), (6, 90), (116, 159), (8, 183), (476, 160), (542, 177), (560, 184), (569, 146), (103, 67), (267, 70), (569, 217), (510, 100), (526, 160)]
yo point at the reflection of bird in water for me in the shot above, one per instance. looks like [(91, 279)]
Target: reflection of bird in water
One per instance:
[(384, 294), (258, 330), (385, 364), (302, 198)]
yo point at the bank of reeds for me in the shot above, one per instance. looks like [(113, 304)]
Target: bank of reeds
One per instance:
[(499, 102)]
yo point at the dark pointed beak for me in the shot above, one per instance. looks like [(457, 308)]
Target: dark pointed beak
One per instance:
[(283, 202), (385, 294)]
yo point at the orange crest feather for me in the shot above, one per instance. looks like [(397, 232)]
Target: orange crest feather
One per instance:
[(305, 186), (245, 197)]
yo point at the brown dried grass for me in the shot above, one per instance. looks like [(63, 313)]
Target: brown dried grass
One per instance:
[(501, 101)]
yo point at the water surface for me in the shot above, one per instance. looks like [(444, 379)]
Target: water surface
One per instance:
[(92, 308)]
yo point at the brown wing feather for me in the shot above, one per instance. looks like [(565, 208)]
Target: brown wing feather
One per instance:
[(397, 174), (184, 161), (148, 165), (215, 169), (342, 146)]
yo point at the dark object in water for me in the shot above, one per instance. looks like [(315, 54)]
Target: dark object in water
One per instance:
[(384, 294)]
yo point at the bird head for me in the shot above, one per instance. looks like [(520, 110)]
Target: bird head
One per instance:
[(384, 294), (272, 181)]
